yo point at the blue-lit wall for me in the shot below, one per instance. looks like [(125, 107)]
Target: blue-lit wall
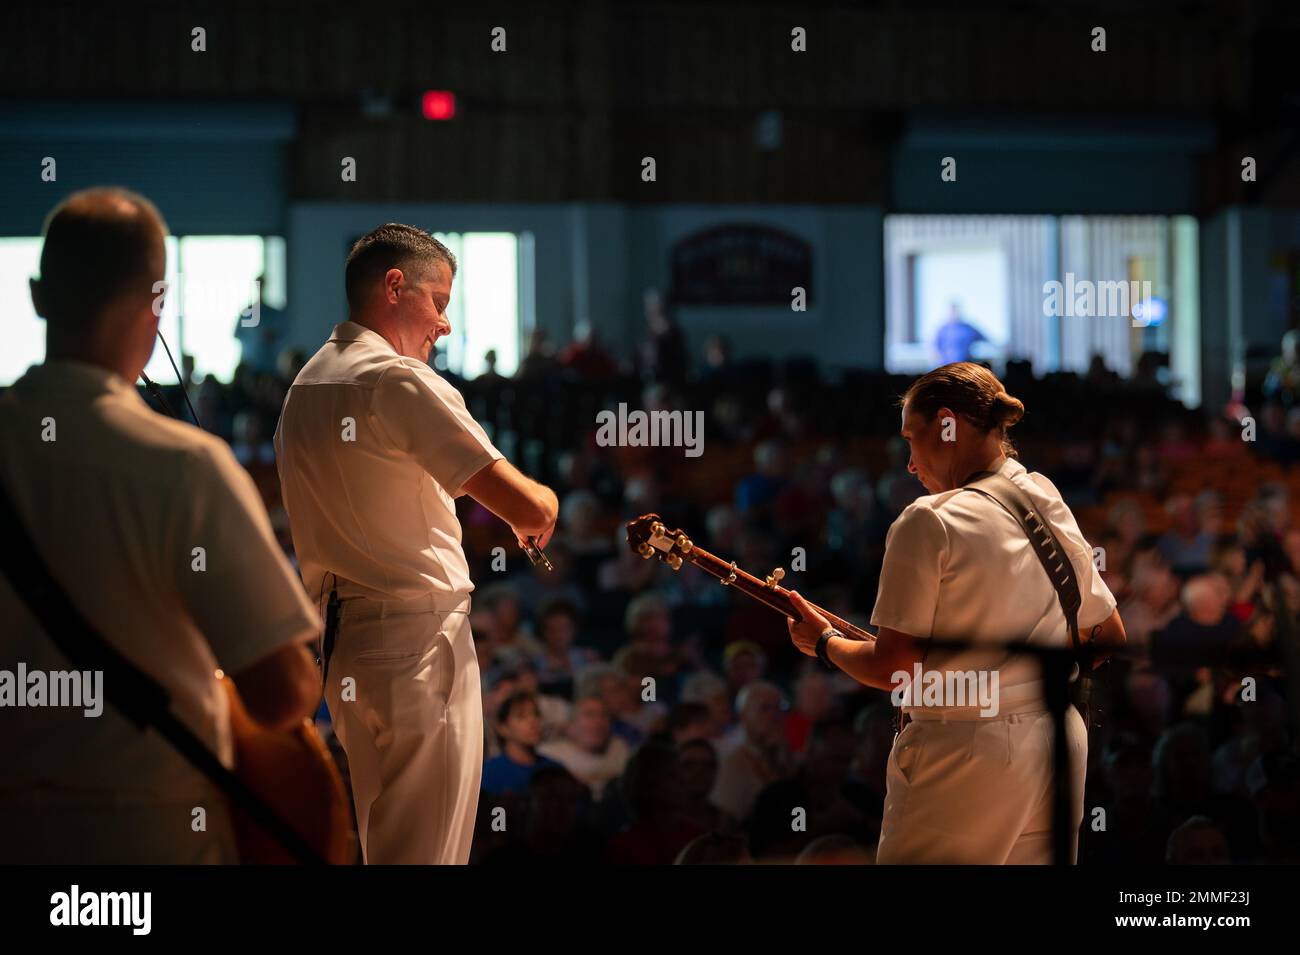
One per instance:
[(221, 168)]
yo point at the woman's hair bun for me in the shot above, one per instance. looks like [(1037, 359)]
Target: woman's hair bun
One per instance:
[(1005, 410)]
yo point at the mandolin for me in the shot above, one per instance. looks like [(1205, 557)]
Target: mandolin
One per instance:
[(648, 537)]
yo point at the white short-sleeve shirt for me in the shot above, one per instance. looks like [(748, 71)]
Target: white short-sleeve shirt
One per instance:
[(958, 566), (373, 448), (161, 540)]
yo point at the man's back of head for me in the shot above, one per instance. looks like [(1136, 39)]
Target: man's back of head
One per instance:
[(102, 257)]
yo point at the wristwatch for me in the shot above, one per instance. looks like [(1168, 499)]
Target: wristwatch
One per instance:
[(822, 643)]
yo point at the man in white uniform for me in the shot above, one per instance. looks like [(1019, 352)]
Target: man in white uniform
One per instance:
[(373, 448), (966, 783), (119, 500)]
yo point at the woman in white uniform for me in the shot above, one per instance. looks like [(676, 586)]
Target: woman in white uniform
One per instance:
[(970, 782)]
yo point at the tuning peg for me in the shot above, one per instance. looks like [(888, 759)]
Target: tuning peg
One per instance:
[(657, 529), (674, 561), (731, 577), (645, 550), (684, 543), (775, 576)]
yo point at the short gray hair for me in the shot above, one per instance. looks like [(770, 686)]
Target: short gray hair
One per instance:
[(391, 246)]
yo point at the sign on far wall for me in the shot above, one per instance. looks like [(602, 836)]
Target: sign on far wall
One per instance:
[(740, 264)]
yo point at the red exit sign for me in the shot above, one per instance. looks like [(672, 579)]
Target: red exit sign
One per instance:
[(438, 104)]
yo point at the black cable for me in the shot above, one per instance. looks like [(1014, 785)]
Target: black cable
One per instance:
[(180, 381)]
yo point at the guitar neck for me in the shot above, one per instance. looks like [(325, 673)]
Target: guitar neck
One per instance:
[(774, 596)]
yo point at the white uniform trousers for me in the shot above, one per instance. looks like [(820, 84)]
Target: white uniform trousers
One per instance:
[(978, 791), (403, 691)]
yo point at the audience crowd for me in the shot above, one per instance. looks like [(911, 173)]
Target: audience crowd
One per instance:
[(637, 714)]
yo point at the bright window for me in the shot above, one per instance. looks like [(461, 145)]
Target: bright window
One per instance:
[(993, 287), (487, 309), (210, 282), (24, 332)]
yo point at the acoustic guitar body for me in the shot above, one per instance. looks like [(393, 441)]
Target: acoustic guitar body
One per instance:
[(295, 774)]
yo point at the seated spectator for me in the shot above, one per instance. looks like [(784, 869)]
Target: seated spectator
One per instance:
[(560, 660), (1259, 537), (1209, 513), (1224, 440), (722, 528), (715, 849), (585, 357), (1282, 383), (756, 492), (621, 697), (1229, 561), (539, 362), (554, 828), (535, 585), (482, 623), (761, 757), (743, 662), (697, 774), (710, 691), (1273, 441), (850, 522), (251, 446), (582, 525), (1263, 730), (1147, 704), (589, 749), (501, 599), (648, 623), (648, 687), (554, 709), (1152, 601), (659, 829), (1183, 788), (820, 789), (519, 728), (1175, 446), (1151, 473), (1130, 836), (1291, 547), (1273, 782), (813, 702), (874, 729), (1185, 547), (687, 723), (498, 685), (1122, 542), (1203, 631), (836, 850), (1198, 841), (627, 571)]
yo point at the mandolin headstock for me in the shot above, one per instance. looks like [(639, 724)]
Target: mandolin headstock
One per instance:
[(648, 537)]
